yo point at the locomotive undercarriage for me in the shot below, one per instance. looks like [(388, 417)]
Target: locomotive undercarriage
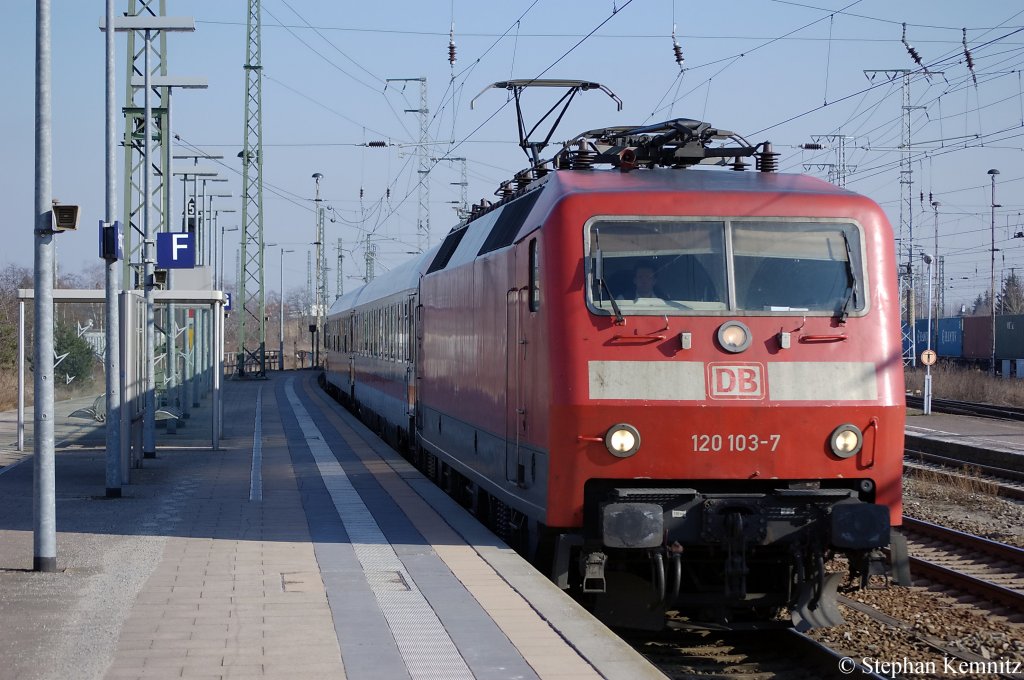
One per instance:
[(726, 558)]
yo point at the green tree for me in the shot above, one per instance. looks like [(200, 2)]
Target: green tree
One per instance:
[(12, 277), (1011, 298), (982, 305), (80, 358)]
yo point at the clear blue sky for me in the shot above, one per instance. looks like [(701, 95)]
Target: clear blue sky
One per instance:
[(765, 69)]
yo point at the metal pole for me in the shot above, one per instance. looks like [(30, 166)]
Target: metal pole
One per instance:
[(220, 269), (992, 173), (190, 366), (21, 375), (128, 396), (280, 350), (928, 366), (318, 294), (44, 556), (149, 416), (935, 254), (216, 223), (217, 312), (202, 324), (172, 385), (112, 329)]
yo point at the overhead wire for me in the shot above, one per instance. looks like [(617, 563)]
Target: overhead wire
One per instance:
[(505, 104), (740, 55)]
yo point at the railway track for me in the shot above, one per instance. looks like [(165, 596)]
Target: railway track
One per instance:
[(967, 408), (986, 569), (995, 480), (779, 654), (937, 646)]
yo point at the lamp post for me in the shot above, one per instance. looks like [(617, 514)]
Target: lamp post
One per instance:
[(992, 290), (928, 364), (935, 253), (220, 274), (280, 356), (218, 248), (320, 294)]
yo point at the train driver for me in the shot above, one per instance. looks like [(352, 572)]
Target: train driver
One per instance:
[(645, 281)]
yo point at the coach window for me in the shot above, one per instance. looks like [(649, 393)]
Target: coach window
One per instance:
[(391, 332), (534, 275)]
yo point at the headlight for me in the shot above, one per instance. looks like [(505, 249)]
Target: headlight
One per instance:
[(622, 440), (734, 336), (846, 440)]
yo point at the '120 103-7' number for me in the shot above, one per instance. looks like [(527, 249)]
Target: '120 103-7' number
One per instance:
[(734, 442)]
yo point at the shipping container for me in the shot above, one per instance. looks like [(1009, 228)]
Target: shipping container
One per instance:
[(978, 337), (921, 335), (951, 337), (1010, 336)]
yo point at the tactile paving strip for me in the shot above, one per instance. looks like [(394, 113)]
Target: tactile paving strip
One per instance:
[(425, 645)]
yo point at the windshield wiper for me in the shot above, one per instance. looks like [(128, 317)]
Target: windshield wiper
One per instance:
[(599, 277), (844, 311)]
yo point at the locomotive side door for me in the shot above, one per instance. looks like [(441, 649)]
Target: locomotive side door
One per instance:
[(518, 376), (512, 400)]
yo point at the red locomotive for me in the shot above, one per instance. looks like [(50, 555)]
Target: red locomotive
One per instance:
[(675, 388)]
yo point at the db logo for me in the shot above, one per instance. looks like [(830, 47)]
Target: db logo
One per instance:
[(735, 381)]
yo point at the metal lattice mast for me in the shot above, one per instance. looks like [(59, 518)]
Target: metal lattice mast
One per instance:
[(462, 205), (464, 186), (423, 186), (252, 328), (906, 230), (320, 311), (339, 277), (134, 158), (309, 284), (371, 256), (423, 230)]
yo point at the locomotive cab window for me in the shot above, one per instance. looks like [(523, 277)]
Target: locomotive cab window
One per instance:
[(797, 266), (657, 266), (663, 266)]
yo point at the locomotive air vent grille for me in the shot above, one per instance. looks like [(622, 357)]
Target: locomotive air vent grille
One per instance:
[(652, 495)]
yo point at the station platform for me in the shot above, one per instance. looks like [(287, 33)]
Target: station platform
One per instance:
[(995, 442), (304, 548)]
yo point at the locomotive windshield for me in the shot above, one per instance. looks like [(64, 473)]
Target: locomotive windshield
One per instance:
[(659, 266)]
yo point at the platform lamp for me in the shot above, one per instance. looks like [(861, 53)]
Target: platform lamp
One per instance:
[(928, 364), (992, 290), (220, 272)]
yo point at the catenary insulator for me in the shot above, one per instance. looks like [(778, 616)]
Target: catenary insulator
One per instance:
[(678, 50), (377, 144)]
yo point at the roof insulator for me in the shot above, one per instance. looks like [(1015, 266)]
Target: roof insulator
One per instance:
[(767, 160)]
